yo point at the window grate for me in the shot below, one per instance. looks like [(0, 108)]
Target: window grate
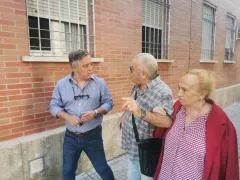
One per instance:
[(57, 27), (230, 38), (155, 25), (208, 32)]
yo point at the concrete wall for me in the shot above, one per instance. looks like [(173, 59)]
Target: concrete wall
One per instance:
[(39, 156)]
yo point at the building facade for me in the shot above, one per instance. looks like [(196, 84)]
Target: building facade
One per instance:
[(36, 36)]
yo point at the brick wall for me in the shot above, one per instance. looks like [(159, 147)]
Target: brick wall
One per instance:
[(25, 88)]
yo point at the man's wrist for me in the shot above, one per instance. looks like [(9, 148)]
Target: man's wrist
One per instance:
[(140, 113), (96, 113)]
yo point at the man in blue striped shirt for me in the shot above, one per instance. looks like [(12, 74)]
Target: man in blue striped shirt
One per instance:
[(82, 98)]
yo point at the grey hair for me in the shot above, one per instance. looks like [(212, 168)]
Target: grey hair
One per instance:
[(76, 56), (149, 64)]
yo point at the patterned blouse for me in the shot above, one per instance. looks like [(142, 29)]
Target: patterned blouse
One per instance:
[(185, 148)]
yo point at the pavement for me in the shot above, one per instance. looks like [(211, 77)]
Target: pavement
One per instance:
[(119, 164)]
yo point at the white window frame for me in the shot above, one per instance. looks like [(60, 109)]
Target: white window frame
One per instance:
[(62, 55), (209, 60), (165, 29), (229, 15)]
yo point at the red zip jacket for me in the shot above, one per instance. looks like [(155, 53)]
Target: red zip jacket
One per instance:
[(221, 159)]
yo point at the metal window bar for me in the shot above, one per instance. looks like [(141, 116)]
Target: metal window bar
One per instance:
[(154, 31), (39, 35), (87, 30), (50, 27), (230, 34), (208, 32)]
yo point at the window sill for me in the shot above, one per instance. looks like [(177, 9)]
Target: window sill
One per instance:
[(209, 61), (165, 61), (229, 62), (53, 59)]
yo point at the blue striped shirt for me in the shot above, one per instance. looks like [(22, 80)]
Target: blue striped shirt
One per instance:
[(93, 95)]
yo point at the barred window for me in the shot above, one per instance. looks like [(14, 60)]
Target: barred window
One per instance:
[(57, 27), (208, 31), (155, 27), (230, 38)]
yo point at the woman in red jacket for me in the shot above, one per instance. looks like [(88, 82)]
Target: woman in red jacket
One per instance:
[(201, 143)]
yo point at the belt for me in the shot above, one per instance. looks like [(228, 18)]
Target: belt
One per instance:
[(92, 131)]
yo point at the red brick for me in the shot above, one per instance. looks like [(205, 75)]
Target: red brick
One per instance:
[(9, 81), (5, 133), (7, 70), (23, 129), (26, 80), (18, 97), (6, 10), (16, 63), (3, 87), (43, 84), (4, 121), (6, 3), (18, 75), (35, 90), (22, 118), (43, 114), (9, 92), (18, 108), (3, 99), (7, 34), (3, 110), (6, 22), (34, 121), (9, 126), (7, 46), (20, 12), (19, 86)]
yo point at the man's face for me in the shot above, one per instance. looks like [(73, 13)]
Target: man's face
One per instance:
[(84, 68), (137, 74)]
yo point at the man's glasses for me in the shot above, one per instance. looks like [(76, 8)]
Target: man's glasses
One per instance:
[(80, 96)]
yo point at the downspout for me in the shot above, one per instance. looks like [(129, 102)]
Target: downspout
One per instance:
[(94, 28), (190, 38)]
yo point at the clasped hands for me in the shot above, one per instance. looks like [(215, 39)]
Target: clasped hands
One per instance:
[(75, 120)]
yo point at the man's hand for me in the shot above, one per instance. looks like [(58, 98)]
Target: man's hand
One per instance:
[(74, 120), (131, 106), (87, 116)]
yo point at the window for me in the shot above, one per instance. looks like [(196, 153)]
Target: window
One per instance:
[(208, 31), (155, 27), (57, 27), (230, 38)]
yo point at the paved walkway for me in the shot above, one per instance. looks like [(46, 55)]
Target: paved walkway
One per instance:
[(119, 165)]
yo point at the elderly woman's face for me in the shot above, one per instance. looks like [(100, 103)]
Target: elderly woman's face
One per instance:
[(189, 90)]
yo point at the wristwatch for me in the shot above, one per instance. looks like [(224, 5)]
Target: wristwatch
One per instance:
[(143, 114), (96, 113)]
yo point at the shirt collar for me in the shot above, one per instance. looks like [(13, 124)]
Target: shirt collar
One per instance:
[(153, 82), (72, 80)]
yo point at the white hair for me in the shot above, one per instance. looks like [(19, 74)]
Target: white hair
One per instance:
[(148, 63)]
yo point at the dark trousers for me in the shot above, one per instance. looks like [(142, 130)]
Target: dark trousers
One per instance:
[(92, 145)]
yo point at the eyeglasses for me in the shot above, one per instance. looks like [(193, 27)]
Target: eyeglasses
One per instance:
[(131, 69), (80, 96)]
